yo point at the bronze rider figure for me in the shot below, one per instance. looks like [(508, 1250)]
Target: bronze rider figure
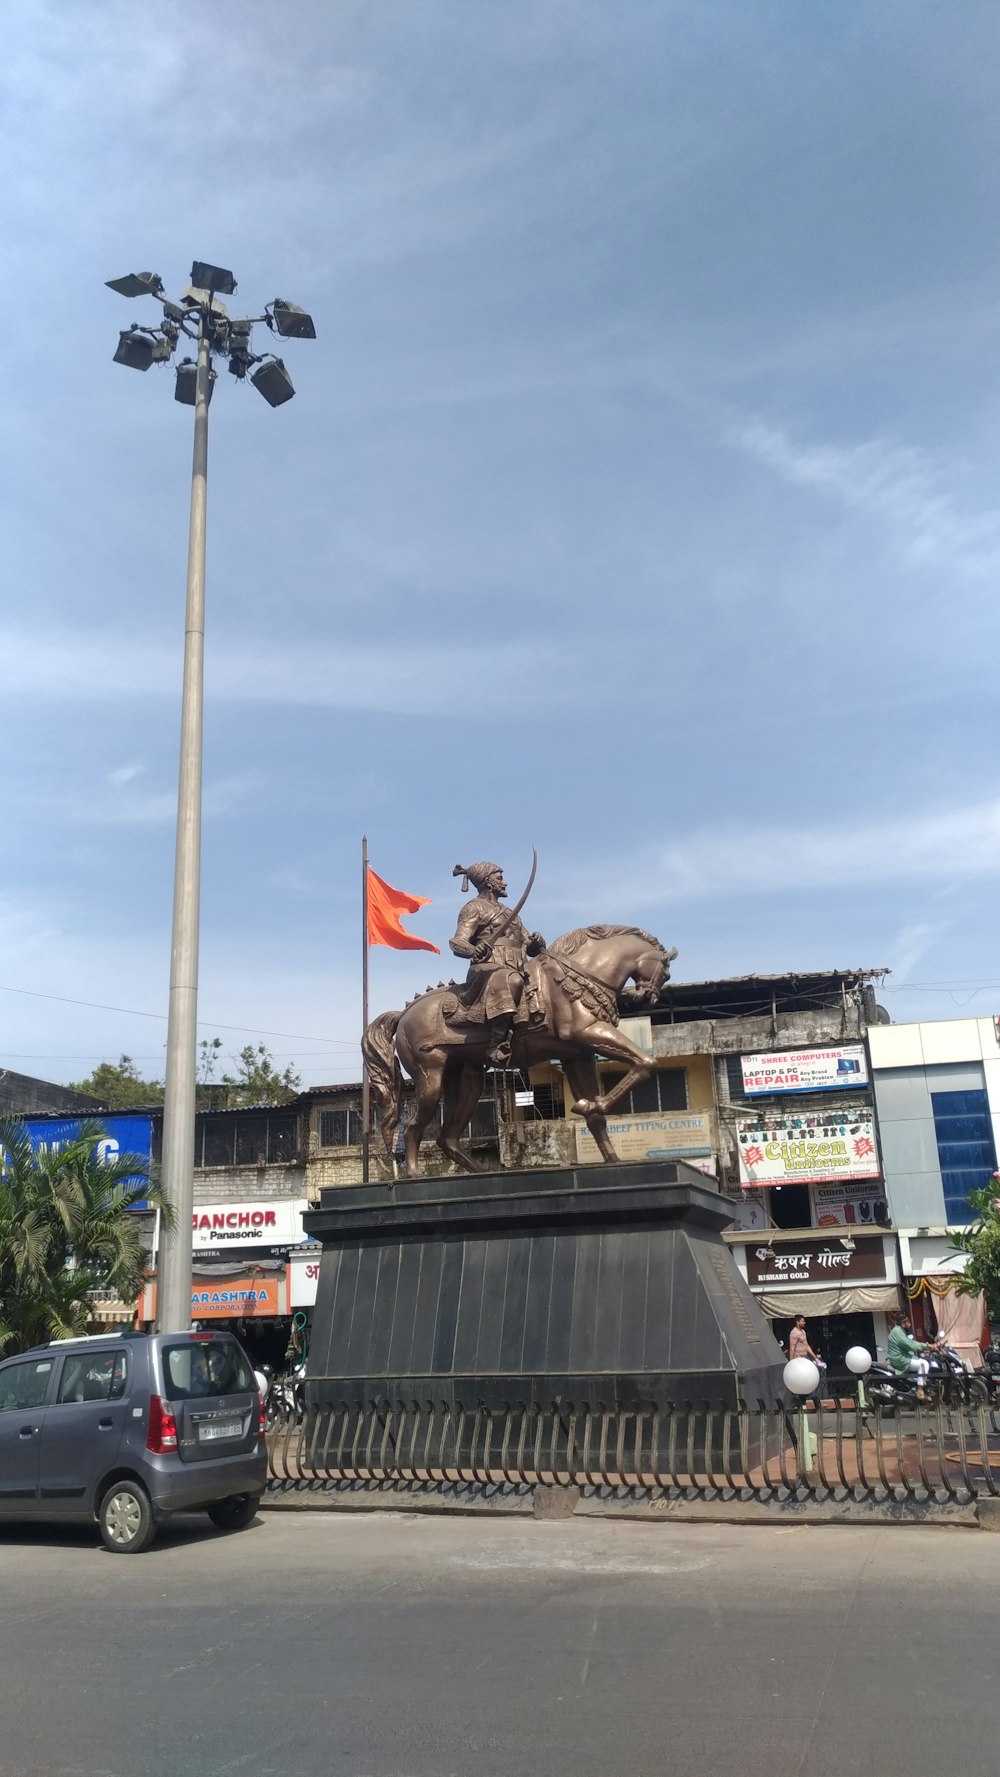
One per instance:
[(498, 987)]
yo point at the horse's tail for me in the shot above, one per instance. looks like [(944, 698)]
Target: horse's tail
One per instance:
[(384, 1075)]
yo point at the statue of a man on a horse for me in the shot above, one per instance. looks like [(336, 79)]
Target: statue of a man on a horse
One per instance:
[(522, 1003)]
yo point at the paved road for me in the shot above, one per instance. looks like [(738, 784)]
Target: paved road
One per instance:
[(412, 1647)]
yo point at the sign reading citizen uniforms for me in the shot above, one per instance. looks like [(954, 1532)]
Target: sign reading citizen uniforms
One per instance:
[(216, 1226), (804, 1150), (826, 1262), (804, 1070)]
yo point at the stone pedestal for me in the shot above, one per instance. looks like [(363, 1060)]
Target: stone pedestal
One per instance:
[(600, 1287)]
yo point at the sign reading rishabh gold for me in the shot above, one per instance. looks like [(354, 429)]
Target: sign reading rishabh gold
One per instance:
[(806, 1150), (672, 1135)]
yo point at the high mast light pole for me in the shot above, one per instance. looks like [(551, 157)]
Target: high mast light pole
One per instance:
[(200, 317)]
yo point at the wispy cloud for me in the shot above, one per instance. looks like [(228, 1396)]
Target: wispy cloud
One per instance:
[(904, 488), (404, 677), (123, 774), (911, 943), (772, 858)]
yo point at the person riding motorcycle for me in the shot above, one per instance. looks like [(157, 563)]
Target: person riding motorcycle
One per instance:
[(903, 1354)]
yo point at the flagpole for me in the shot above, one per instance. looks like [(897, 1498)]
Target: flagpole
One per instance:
[(365, 1090)]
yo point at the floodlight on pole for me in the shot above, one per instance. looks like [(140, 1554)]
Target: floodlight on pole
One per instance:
[(198, 316), (289, 321), (213, 278), (273, 381), (135, 348), (137, 283), (186, 386)]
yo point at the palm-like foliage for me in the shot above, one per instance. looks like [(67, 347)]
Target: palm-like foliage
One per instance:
[(65, 1229)]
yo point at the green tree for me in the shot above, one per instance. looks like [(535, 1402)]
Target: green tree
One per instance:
[(981, 1240), (65, 1229), (120, 1088), (257, 1080)]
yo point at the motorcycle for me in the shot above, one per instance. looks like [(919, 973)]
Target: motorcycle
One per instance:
[(287, 1397), (949, 1383)]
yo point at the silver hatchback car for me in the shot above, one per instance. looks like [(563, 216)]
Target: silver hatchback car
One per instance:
[(128, 1428)]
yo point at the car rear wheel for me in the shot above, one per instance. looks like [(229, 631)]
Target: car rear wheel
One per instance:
[(234, 1514), (126, 1518)]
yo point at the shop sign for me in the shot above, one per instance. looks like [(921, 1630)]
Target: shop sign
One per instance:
[(216, 1226), (848, 1205), (807, 1150), (228, 1298), (303, 1278), (671, 1135), (826, 1262), (122, 1135), (805, 1070)]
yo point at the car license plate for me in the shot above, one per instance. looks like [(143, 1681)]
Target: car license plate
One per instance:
[(219, 1428)]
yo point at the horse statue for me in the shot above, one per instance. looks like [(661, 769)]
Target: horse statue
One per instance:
[(576, 986)]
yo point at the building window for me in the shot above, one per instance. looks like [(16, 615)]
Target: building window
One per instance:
[(665, 1090), (550, 1102), (340, 1128), (483, 1125), (966, 1151), (233, 1139)]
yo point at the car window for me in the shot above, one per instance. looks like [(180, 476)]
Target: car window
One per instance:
[(24, 1385), (94, 1376), (194, 1370)]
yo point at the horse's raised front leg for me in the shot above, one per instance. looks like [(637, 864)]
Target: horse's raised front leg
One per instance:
[(462, 1090), (581, 1073), (608, 1040)]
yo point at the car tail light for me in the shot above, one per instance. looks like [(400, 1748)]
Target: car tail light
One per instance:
[(262, 1422), (161, 1432)]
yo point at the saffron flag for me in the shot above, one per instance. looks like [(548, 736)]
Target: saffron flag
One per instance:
[(385, 905)]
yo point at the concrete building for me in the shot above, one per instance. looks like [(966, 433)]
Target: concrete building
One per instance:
[(937, 1091), (763, 1083), (23, 1096)]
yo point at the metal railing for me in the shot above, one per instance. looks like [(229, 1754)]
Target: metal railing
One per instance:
[(689, 1450)]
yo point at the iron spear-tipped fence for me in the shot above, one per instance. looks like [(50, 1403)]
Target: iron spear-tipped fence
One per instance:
[(928, 1454)]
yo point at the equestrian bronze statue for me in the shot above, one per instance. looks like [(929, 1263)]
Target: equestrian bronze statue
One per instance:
[(523, 1002)]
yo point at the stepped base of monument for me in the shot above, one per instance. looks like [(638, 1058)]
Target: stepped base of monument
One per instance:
[(605, 1289)]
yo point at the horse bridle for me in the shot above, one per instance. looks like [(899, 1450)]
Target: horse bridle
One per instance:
[(644, 993)]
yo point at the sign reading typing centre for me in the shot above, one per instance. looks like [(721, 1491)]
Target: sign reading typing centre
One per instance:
[(805, 1070), (804, 1150), (828, 1262), (672, 1135)]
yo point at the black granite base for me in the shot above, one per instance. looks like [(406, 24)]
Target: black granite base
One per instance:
[(603, 1288)]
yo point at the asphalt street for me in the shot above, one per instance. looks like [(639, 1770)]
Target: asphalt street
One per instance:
[(406, 1646)]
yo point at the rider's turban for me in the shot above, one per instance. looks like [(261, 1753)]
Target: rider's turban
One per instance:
[(478, 873)]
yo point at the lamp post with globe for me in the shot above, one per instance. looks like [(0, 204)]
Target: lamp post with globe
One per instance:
[(801, 1377), (859, 1362)]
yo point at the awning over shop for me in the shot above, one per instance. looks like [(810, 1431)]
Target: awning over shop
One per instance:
[(873, 1299)]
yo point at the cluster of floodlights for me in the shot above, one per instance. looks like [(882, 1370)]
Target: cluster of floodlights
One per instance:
[(140, 346)]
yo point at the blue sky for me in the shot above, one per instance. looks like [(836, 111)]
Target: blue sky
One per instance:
[(639, 500)]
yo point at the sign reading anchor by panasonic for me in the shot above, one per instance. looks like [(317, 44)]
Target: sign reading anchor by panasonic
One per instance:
[(216, 1227)]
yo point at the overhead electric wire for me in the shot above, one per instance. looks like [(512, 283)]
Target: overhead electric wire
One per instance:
[(294, 1036)]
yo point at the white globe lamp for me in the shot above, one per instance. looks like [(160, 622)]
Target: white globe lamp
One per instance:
[(859, 1362), (801, 1376)]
